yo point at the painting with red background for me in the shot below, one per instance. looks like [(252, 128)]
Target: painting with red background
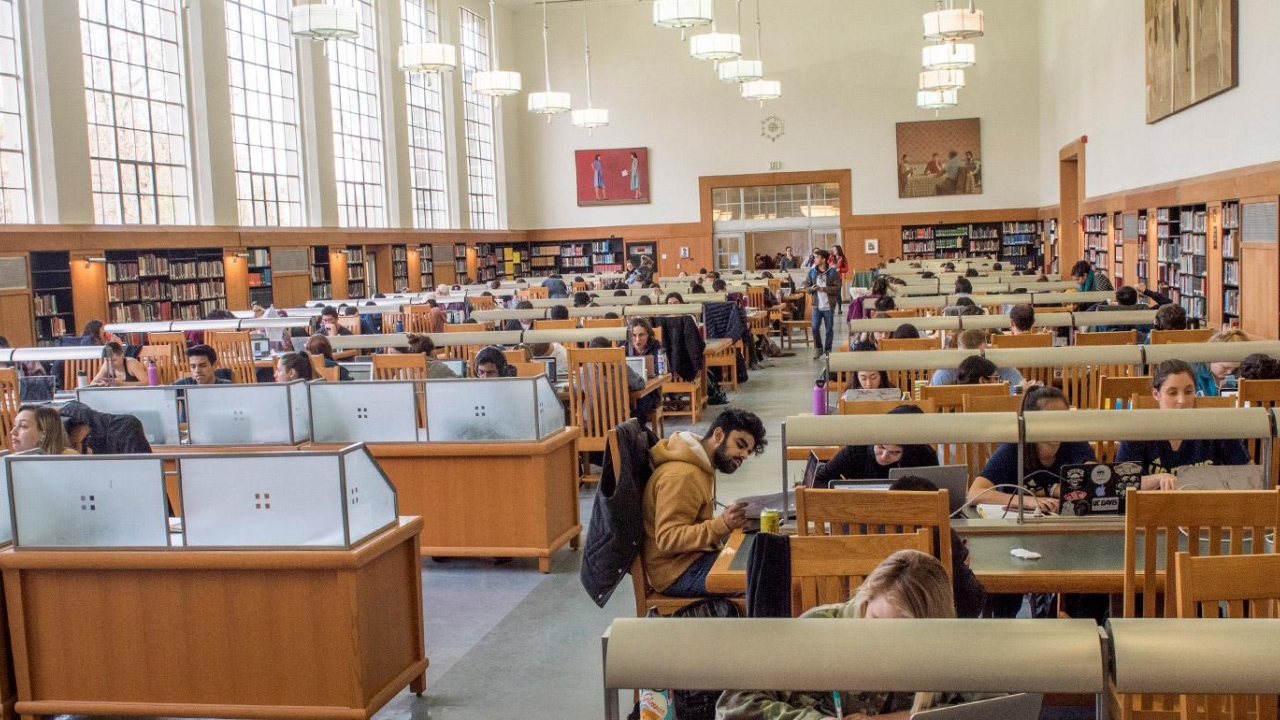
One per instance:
[(616, 173)]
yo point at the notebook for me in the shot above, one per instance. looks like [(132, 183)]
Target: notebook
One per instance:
[(952, 478), (877, 394), (1222, 477), (1097, 489), (1023, 706)]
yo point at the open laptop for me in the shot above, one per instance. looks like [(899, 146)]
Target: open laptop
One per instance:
[(1222, 477), (299, 343), (1023, 706), (642, 365), (952, 478), (1098, 488), (262, 348), (37, 388), (773, 501), (459, 367), (359, 370), (549, 367)]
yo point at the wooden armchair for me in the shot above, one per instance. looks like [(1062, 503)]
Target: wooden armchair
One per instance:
[(162, 355), (828, 569), (950, 398), (569, 324), (235, 353), (399, 367), (1026, 340), (881, 407), (72, 368), (351, 322), (1118, 392), (1114, 337), (877, 512), (603, 322), (908, 344), (482, 302), (10, 401), (1166, 337), (1261, 393), (803, 323), (598, 399)]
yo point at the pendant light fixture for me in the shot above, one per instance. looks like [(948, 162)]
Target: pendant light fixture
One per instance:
[(949, 23), (740, 70), (937, 99), (495, 83), (428, 58), (715, 45), (761, 90), (589, 117), (682, 14), (548, 102), (324, 21), (947, 56), (941, 79)]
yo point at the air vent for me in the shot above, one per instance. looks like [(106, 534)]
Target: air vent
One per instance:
[(1130, 225), (1259, 222), (290, 260), (13, 273)]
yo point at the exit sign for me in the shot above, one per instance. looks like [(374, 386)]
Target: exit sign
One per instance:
[(775, 164)]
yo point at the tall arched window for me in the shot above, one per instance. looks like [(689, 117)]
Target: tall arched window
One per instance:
[(428, 172), (15, 201), (357, 128), (482, 174), (136, 111)]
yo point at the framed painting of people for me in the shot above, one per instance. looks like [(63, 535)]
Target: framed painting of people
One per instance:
[(612, 177), (940, 157)]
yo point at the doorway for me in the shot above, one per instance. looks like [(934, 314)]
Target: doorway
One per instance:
[(729, 251)]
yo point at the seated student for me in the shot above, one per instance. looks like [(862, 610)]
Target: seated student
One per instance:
[(294, 366), (1173, 385), (697, 289), (976, 339), (1042, 463), (908, 584), (642, 338), (906, 331), (119, 370), (682, 536), (555, 287), (969, 594), (873, 462), (522, 324), (963, 287), (644, 300), (39, 428), (558, 312), (202, 361), (581, 299), (491, 363), (673, 298), (645, 406), (329, 325), (1126, 299), (319, 345), (1022, 319), (423, 345), (1171, 317), (1159, 297), (102, 433), (1257, 366), (551, 350), (1211, 376), (885, 303)]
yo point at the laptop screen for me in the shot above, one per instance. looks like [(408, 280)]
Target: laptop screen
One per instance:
[(549, 367), (1098, 488), (261, 348), (811, 469), (459, 367), (359, 370)]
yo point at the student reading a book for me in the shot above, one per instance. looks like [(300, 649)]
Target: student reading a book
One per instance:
[(873, 462), (1173, 385), (908, 584), (1211, 376)]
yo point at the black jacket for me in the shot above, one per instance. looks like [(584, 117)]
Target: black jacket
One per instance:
[(617, 521), (108, 434), (684, 346), (724, 320)]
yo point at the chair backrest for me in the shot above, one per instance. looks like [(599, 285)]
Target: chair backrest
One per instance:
[(991, 403), (538, 293), (162, 356), (10, 401), (755, 297), (177, 344), (1117, 393), (907, 344), (598, 396), (1261, 393), (950, 398), (904, 313), (580, 286), (1245, 587), (882, 407), (72, 368), (528, 369), (1216, 522), (1166, 337), (1115, 337), (399, 367), (1144, 401), (484, 326), (569, 324), (482, 302), (828, 569), (877, 512), (235, 353), (603, 322), (512, 356), (330, 374), (1025, 340), (350, 322)]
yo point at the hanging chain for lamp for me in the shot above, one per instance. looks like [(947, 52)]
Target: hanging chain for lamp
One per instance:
[(591, 117)]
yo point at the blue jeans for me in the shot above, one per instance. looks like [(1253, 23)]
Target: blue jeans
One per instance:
[(820, 318), (693, 581)]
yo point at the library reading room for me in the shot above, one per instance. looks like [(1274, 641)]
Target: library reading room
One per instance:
[(583, 359)]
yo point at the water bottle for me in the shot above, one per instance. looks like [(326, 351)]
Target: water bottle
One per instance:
[(153, 373), (81, 379), (399, 325), (820, 396), (660, 363)]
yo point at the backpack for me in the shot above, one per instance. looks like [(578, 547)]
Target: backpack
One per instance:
[(697, 704)]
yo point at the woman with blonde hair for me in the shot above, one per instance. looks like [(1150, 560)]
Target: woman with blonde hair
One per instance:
[(908, 584), (1210, 376), (38, 427)]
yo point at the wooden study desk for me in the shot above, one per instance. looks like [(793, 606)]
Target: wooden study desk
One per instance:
[(489, 499), (330, 634)]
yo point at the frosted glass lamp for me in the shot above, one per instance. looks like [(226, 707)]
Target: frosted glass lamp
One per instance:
[(941, 79), (496, 83), (428, 58), (740, 71), (682, 13), (590, 118), (947, 56), (715, 46), (549, 103), (953, 24), (937, 99), (324, 21), (761, 90)]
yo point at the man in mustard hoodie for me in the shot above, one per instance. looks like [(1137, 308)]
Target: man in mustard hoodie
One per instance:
[(682, 535)]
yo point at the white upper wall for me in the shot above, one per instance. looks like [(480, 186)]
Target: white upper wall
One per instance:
[(848, 70), (1093, 74)]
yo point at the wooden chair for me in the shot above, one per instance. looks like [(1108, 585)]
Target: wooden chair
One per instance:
[(528, 369), (162, 356), (1249, 587), (482, 302), (317, 363), (802, 323), (579, 286), (1115, 337), (399, 367), (598, 398), (1025, 340), (330, 374), (72, 368), (537, 293), (235, 353), (677, 392), (828, 569), (877, 512), (1080, 382), (10, 401), (597, 323), (569, 324), (1166, 337), (755, 297), (177, 344), (905, 380), (1144, 401), (903, 314), (950, 398), (484, 326), (727, 361), (1117, 393), (351, 322), (907, 344), (881, 407), (1261, 393), (1220, 520), (977, 454)]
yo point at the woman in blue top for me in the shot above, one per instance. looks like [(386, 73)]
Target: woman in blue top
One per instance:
[(1042, 462), (1173, 385), (1210, 376), (635, 175), (597, 180)]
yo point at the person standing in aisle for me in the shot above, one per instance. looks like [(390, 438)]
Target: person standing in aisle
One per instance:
[(823, 285)]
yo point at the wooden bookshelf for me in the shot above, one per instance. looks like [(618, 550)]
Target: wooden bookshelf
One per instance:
[(512, 261), (1020, 244), (321, 273), (426, 268), (607, 256), (1168, 253), (1229, 243), (259, 277), (459, 261), (1193, 264), (544, 258), (1118, 270), (1015, 241), (1097, 241), (1141, 266), (575, 257), (52, 299), (180, 284), (357, 278), (1049, 242), (399, 268)]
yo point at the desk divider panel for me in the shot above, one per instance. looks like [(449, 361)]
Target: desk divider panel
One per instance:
[(259, 414), (370, 496), (372, 411), (156, 407), (499, 409), (87, 501), (1116, 318), (1210, 351)]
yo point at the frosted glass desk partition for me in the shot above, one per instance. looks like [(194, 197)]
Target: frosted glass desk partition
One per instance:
[(497, 409), (317, 499), (87, 501), (372, 411), (266, 413), (156, 407)]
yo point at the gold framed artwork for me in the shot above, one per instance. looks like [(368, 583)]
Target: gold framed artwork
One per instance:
[(1191, 53)]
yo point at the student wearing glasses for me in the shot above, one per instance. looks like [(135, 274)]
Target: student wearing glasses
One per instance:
[(873, 462), (491, 363), (1173, 385)]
